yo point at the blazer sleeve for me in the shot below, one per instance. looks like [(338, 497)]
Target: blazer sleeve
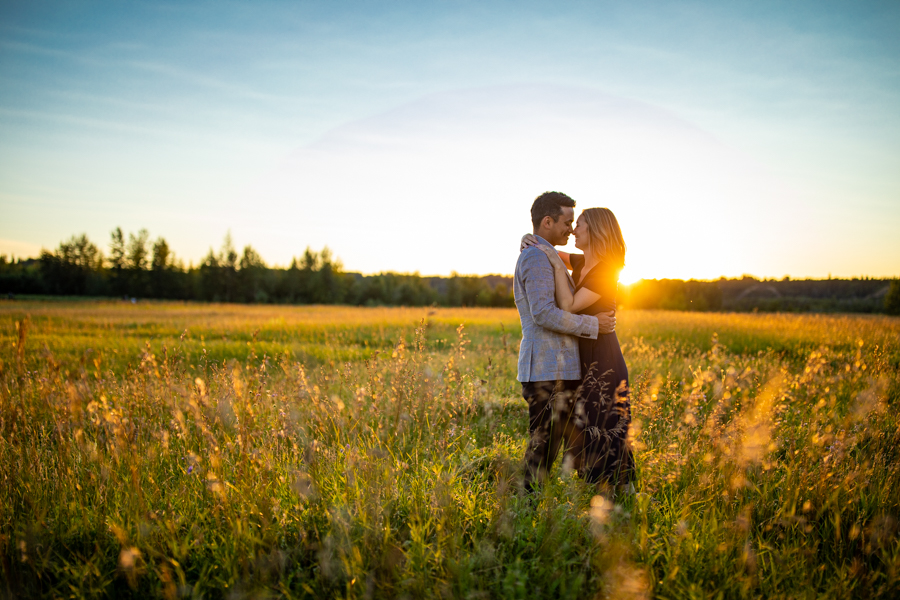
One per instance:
[(540, 288)]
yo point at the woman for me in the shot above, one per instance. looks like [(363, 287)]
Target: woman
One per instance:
[(602, 410)]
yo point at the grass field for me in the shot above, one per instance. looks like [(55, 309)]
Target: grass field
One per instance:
[(327, 452)]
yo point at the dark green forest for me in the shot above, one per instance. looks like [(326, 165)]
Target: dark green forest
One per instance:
[(138, 267)]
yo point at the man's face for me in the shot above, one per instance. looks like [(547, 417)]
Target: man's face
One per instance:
[(558, 232)]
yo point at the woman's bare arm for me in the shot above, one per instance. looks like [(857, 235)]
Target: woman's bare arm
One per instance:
[(564, 298)]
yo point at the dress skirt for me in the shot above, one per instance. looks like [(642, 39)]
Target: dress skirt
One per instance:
[(603, 412)]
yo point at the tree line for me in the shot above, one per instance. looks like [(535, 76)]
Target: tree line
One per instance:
[(746, 294), (138, 267)]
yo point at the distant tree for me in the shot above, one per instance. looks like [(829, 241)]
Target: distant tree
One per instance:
[(117, 253), (218, 274), (306, 278), (252, 277), (229, 256), (291, 286), (453, 296), (406, 294), (251, 259), (82, 252), (228, 262), (387, 289), (19, 276), (163, 272), (117, 249), (484, 297), (74, 268), (327, 284), (162, 256), (137, 263), (892, 299), (502, 297), (136, 259), (209, 280)]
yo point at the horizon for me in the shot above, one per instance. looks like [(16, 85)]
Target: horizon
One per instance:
[(189, 265), (747, 138)]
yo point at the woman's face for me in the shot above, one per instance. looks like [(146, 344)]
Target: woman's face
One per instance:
[(581, 235)]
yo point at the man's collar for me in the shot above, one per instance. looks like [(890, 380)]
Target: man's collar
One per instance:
[(542, 240)]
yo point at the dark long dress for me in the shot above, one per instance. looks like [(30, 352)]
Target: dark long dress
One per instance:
[(603, 410)]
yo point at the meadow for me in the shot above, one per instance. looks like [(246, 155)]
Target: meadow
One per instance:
[(188, 450)]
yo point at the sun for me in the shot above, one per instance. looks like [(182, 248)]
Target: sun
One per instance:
[(626, 277)]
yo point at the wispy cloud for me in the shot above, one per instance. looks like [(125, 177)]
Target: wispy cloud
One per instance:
[(199, 79), (88, 122)]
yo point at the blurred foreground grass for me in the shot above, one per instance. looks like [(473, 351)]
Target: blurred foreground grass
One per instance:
[(218, 450)]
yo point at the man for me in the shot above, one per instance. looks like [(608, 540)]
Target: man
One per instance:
[(549, 365)]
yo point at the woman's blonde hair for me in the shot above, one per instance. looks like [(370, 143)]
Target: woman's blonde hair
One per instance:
[(605, 236)]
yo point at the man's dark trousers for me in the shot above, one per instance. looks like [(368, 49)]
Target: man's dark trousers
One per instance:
[(551, 423)]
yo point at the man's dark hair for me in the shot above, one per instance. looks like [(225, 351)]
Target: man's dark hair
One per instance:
[(549, 204)]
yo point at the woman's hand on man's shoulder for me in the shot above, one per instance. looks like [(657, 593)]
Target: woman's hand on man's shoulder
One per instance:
[(529, 239)]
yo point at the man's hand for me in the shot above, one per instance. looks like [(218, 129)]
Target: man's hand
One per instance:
[(607, 322), (527, 240)]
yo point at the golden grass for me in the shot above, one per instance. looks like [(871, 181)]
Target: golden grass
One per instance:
[(182, 450)]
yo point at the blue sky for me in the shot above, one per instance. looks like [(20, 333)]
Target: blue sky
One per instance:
[(178, 116)]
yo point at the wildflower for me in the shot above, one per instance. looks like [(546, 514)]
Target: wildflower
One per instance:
[(128, 558), (628, 582), (758, 432), (600, 509)]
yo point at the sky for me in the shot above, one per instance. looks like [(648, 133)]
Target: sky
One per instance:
[(729, 138)]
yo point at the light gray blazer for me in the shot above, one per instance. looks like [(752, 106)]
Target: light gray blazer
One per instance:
[(548, 351)]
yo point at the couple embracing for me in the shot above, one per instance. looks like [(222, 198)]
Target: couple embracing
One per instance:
[(571, 367)]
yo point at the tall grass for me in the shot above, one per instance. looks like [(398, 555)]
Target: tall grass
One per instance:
[(186, 451)]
